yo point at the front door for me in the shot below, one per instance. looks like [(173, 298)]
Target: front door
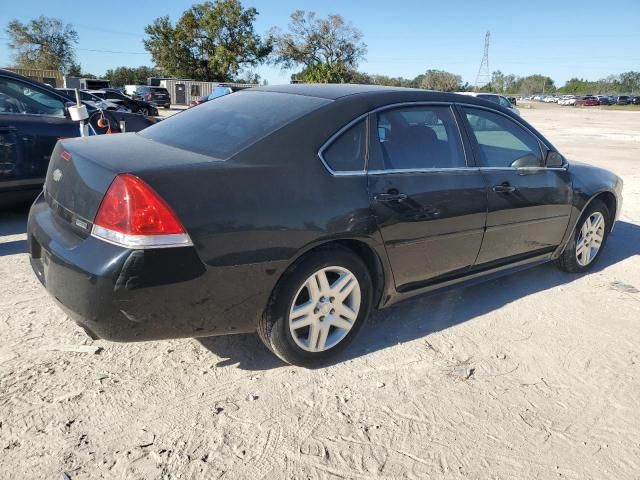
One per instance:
[(430, 204), (31, 122), (181, 96), (528, 204)]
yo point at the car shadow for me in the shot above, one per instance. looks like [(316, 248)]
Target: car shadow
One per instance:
[(13, 222), (433, 312)]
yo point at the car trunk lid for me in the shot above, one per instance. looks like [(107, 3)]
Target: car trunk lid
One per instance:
[(82, 169)]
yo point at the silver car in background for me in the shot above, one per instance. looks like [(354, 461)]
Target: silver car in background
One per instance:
[(495, 98)]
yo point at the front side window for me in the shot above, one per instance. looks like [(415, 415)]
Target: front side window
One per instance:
[(420, 137), (16, 97), (347, 152), (502, 142), (504, 102)]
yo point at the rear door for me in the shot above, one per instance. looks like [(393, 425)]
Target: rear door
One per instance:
[(430, 204), (528, 204), (31, 122)]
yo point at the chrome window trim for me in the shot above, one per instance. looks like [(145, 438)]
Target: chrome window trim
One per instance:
[(333, 137), (351, 173), (422, 170)]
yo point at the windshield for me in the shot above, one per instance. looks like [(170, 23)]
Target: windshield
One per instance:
[(231, 123)]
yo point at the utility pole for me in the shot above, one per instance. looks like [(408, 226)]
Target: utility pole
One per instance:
[(484, 74)]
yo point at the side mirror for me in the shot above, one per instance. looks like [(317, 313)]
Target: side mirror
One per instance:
[(554, 160)]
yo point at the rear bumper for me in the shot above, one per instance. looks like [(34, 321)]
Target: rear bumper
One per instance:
[(132, 295)]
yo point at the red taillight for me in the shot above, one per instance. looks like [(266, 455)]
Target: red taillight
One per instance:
[(65, 155), (133, 215), (149, 96)]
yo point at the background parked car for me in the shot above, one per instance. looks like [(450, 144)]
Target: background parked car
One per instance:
[(603, 100), (587, 101), (623, 100), (635, 100), (33, 116), (495, 98), (219, 91), (134, 105), (93, 100), (157, 96)]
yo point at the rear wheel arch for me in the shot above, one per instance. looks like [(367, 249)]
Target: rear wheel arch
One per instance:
[(371, 258)]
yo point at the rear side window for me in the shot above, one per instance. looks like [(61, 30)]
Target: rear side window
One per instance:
[(231, 123), (346, 153), (413, 138), (502, 142)]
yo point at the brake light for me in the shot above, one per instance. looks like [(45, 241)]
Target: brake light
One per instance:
[(149, 96), (133, 215)]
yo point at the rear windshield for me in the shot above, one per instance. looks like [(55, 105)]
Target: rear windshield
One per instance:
[(160, 90), (223, 127)]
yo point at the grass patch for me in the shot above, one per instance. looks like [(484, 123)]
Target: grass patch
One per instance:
[(628, 108)]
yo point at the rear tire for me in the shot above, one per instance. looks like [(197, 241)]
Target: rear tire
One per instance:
[(305, 325), (587, 240)]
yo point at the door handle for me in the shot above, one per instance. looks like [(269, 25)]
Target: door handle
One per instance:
[(389, 197), (504, 188)]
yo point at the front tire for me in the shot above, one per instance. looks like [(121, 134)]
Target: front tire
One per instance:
[(318, 307), (588, 239)]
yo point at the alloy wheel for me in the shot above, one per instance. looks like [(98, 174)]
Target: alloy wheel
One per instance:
[(325, 309), (590, 238)]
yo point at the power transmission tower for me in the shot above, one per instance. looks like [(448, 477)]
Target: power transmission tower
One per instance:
[(484, 75)]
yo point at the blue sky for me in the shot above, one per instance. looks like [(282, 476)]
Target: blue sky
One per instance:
[(589, 39)]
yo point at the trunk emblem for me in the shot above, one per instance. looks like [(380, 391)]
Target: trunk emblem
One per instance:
[(57, 175)]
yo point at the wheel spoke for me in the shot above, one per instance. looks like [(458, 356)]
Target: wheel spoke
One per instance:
[(346, 312), (343, 287), (340, 322), (324, 333), (302, 322), (301, 310), (314, 332), (599, 222), (596, 239), (586, 256), (312, 287), (323, 282)]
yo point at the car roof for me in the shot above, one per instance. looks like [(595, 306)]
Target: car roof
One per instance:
[(329, 91), (370, 94)]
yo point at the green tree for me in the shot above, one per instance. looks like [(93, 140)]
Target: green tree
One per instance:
[(328, 49), (439, 80), (212, 41), (629, 82), (43, 43), (121, 76)]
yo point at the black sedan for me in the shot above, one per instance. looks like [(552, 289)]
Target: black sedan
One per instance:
[(295, 210), (33, 117), (134, 105)]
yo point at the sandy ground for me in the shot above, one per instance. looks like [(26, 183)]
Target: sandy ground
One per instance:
[(533, 376)]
